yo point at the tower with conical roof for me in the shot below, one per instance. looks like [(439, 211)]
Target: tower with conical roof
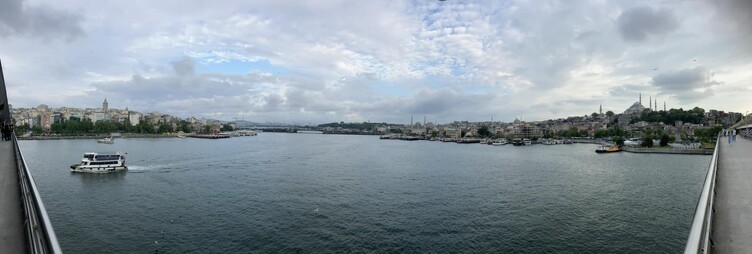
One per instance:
[(105, 105)]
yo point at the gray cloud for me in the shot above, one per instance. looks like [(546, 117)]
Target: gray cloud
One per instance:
[(18, 18), (686, 85), (639, 23), (185, 66)]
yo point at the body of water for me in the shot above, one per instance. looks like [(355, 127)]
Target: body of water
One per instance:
[(332, 193)]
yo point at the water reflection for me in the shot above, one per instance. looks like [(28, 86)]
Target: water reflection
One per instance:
[(96, 179)]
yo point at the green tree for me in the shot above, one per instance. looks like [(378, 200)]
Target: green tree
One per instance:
[(483, 132), (619, 141), (37, 130), (164, 128), (610, 113), (226, 127), (647, 142), (183, 126), (664, 140), (144, 127)]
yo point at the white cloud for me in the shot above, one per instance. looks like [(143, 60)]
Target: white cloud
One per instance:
[(377, 60)]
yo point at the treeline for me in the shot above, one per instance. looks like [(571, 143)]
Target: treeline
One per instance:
[(695, 116), (613, 132), (86, 126), (359, 126)]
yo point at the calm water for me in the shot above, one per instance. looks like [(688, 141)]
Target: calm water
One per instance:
[(330, 193)]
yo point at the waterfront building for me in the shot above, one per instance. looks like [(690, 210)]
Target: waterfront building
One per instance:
[(134, 118)]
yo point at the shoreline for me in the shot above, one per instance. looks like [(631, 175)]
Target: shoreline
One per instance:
[(95, 137), (668, 151)]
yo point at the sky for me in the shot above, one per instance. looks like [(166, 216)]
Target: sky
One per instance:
[(378, 61)]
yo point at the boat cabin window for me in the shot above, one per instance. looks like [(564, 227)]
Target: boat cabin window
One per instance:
[(107, 157), (89, 156)]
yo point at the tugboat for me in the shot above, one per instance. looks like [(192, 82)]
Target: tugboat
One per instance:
[(607, 149), (100, 163)]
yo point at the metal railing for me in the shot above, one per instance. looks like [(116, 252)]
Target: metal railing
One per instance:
[(699, 234), (40, 237)]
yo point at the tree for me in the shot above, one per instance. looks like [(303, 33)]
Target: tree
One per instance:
[(664, 140), (618, 140), (226, 127), (483, 132), (594, 115), (647, 142), (183, 126), (164, 128), (37, 129), (610, 113)]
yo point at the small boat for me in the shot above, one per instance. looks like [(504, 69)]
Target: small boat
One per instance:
[(527, 142), (517, 142), (607, 149), (500, 142), (100, 163), (106, 141)]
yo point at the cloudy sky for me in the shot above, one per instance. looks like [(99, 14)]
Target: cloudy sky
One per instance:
[(322, 61)]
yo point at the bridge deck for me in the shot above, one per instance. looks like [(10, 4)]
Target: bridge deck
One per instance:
[(732, 222), (12, 238)]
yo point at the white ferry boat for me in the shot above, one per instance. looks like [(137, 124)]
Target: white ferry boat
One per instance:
[(100, 163)]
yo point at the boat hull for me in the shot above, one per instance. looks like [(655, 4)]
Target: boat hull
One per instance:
[(607, 151), (97, 169)]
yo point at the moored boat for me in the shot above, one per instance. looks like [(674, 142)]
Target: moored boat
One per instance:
[(100, 163), (607, 149), (106, 141), (517, 142), (499, 142)]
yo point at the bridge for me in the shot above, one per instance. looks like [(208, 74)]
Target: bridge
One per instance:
[(723, 217), (24, 224)]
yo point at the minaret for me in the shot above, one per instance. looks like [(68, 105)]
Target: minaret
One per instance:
[(656, 104), (411, 121), (640, 98), (105, 105), (600, 109), (650, 102), (664, 105)]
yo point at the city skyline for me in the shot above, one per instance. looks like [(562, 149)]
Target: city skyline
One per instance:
[(379, 62)]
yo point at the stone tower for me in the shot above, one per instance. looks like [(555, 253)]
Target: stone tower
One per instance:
[(105, 105)]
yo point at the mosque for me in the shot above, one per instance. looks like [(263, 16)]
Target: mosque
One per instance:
[(637, 108)]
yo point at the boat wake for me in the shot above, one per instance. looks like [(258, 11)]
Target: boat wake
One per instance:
[(149, 168)]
